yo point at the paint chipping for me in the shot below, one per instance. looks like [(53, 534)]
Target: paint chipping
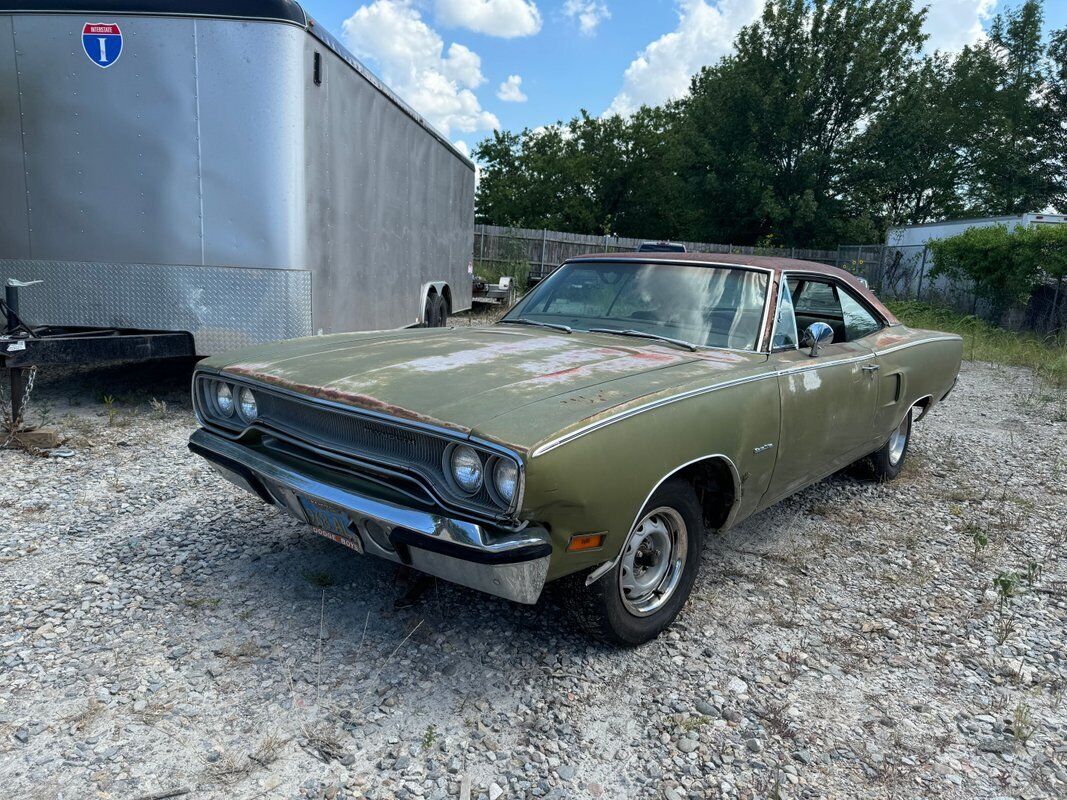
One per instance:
[(355, 399)]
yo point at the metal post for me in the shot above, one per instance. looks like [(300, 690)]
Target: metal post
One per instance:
[(922, 271), (11, 298), (16, 376), (544, 247)]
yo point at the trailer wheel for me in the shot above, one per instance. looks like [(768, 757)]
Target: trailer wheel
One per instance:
[(436, 312), (442, 310)]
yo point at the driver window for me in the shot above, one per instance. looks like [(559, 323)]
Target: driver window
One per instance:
[(785, 322)]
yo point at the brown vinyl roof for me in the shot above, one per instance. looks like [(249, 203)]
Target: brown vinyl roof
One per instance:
[(776, 264)]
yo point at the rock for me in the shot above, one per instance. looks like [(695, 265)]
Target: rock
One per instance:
[(688, 745), (753, 745), (495, 792)]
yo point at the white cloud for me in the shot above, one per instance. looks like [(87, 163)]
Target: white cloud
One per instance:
[(412, 60), (510, 91), (588, 13), (704, 34), (504, 18), (955, 23)]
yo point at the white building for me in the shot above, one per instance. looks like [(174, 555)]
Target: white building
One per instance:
[(911, 235)]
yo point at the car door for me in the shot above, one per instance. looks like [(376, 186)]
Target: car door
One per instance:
[(827, 400)]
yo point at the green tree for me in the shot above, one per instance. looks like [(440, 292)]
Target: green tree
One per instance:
[(905, 167), (1011, 142), (767, 127)]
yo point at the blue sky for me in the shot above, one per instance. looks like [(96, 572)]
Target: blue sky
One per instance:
[(470, 65)]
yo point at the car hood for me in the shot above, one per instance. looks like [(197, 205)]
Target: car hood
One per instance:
[(512, 384)]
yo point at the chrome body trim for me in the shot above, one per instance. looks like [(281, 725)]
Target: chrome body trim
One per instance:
[(510, 564)]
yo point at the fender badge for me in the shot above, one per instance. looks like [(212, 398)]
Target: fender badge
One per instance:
[(763, 447)]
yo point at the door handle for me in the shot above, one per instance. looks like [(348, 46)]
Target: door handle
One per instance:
[(872, 368)]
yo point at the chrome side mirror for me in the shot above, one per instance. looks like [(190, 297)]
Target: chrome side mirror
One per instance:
[(814, 335)]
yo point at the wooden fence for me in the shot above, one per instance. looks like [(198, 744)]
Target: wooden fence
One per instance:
[(545, 250)]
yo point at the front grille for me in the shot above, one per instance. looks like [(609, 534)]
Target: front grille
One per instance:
[(411, 451)]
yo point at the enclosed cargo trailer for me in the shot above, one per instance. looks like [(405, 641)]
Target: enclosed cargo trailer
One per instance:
[(220, 168)]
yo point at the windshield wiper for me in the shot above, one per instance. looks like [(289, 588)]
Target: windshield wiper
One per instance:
[(645, 335), (553, 325)]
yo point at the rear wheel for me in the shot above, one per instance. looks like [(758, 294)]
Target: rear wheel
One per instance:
[(652, 579), (889, 460)]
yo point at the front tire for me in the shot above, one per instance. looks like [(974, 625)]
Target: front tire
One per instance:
[(654, 574), (887, 462)]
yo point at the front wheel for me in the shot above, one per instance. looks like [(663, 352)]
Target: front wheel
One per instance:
[(653, 576), (887, 462)]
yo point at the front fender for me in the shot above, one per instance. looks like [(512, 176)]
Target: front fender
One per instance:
[(600, 481)]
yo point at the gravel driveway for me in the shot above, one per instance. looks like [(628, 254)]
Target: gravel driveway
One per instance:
[(161, 632)]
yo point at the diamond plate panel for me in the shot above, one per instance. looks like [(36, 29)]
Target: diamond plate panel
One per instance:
[(222, 307)]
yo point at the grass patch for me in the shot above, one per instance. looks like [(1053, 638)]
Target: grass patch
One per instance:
[(982, 341)]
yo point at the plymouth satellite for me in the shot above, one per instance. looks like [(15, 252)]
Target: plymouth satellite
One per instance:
[(625, 406)]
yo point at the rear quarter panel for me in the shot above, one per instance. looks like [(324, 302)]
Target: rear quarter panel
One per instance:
[(916, 365)]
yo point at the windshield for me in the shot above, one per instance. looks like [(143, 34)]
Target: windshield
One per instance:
[(706, 305)]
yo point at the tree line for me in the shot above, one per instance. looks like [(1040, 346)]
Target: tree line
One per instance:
[(826, 125)]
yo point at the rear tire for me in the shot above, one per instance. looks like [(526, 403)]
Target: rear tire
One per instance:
[(887, 462), (653, 577)]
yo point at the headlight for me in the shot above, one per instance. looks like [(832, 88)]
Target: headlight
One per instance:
[(467, 468), (248, 405), (505, 479), (224, 399)]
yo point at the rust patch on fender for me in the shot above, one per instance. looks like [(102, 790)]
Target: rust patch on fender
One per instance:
[(354, 399)]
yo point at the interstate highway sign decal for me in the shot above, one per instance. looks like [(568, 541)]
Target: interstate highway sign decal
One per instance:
[(102, 42)]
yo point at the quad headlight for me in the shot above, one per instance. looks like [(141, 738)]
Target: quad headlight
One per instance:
[(466, 467), (247, 405), (224, 399), (506, 479)]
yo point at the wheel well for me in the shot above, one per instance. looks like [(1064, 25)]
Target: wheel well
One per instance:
[(715, 483), (923, 404), (447, 294)]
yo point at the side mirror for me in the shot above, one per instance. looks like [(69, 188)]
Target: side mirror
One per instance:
[(814, 335)]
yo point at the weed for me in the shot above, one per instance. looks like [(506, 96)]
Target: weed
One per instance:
[(1022, 725), (202, 602), (159, 408), (112, 411), (979, 537), (429, 737)]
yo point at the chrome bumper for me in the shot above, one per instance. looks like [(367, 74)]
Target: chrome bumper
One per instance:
[(509, 564)]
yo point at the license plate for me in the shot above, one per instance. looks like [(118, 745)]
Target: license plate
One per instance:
[(331, 523)]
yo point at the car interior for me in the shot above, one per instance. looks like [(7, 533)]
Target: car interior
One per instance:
[(825, 301)]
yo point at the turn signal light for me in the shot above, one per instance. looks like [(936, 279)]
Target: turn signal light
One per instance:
[(585, 541)]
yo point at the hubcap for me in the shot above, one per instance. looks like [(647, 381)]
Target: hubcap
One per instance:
[(898, 440), (652, 561)]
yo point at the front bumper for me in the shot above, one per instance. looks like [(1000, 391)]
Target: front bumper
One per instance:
[(509, 564)]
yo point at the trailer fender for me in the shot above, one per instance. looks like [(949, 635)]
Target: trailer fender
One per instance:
[(428, 291)]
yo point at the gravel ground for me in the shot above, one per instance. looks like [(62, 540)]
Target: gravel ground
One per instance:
[(161, 631)]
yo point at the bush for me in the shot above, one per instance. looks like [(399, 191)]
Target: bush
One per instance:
[(1004, 265)]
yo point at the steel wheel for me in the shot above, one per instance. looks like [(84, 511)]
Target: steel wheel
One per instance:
[(899, 440), (652, 561)]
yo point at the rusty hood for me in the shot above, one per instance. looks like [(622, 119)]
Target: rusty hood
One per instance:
[(513, 384)]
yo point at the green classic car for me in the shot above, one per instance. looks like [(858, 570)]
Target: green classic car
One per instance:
[(625, 406)]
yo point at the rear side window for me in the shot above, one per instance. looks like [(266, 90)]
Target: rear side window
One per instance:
[(859, 322)]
